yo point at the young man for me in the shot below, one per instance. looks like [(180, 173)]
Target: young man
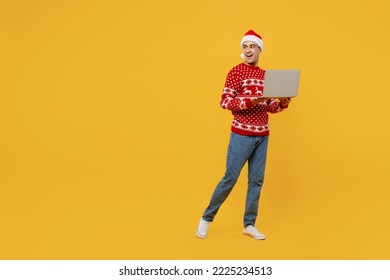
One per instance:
[(249, 134)]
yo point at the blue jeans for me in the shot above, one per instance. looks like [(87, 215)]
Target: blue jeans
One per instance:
[(241, 149)]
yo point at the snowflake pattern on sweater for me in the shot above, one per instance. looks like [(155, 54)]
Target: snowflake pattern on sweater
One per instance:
[(244, 83)]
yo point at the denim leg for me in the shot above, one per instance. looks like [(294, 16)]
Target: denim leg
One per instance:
[(256, 168), (239, 150)]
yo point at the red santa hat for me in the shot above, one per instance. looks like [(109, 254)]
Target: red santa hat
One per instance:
[(253, 37)]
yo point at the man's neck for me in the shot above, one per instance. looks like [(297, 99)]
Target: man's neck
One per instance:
[(252, 64)]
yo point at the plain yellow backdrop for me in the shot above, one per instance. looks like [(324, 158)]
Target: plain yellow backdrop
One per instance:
[(112, 139)]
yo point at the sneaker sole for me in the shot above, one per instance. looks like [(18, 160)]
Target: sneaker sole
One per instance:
[(200, 236), (257, 238)]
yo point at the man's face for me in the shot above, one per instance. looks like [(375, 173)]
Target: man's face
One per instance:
[(251, 52)]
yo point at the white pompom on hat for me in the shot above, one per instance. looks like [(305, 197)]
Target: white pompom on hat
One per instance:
[(253, 37)]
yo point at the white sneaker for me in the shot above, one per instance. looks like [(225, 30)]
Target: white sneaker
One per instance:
[(253, 232), (203, 226)]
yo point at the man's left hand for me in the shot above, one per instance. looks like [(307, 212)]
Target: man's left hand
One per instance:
[(285, 101)]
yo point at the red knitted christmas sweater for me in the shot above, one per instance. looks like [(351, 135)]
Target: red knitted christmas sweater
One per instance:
[(244, 83)]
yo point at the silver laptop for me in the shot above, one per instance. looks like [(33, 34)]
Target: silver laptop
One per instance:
[(281, 83)]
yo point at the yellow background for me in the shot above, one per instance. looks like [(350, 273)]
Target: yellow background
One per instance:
[(112, 139)]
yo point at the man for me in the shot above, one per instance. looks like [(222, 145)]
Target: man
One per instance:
[(249, 134)]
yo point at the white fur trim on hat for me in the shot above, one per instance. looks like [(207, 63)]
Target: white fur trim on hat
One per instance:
[(253, 38)]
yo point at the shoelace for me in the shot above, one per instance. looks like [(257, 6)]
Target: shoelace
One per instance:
[(205, 225), (252, 229)]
